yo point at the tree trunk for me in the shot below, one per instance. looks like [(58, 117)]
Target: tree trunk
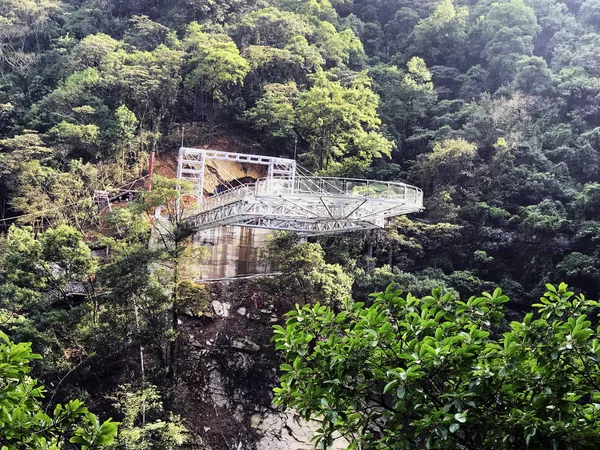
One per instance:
[(174, 322)]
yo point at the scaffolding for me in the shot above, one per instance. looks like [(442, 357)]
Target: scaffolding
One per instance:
[(290, 199)]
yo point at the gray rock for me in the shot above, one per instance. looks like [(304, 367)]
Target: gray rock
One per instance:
[(288, 431), (221, 308), (245, 344)]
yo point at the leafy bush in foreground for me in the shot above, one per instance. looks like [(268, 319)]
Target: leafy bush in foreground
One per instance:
[(26, 424), (443, 373)]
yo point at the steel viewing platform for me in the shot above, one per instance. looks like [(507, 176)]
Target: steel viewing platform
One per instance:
[(285, 199)]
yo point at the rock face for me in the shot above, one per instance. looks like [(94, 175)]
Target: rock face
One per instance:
[(226, 374), (287, 432)]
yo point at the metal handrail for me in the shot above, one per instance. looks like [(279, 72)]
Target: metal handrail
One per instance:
[(338, 186), (353, 187)]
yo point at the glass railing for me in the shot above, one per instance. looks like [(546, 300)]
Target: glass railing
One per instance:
[(340, 186), (318, 186)]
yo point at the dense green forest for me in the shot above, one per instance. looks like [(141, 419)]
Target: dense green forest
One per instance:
[(491, 107), (488, 106)]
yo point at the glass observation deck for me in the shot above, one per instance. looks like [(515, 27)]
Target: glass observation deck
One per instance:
[(286, 200)]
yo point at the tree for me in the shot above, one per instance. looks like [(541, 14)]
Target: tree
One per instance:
[(215, 62), (553, 17), (582, 269), (92, 49), (533, 76), (28, 24), (338, 48), (42, 269), (490, 120), (341, 122), (172, 241), (296, 61), (47, 292), (442, 373), (440, 38), (145, 34), (399, 27), (26, 424), (590, 12), (47, 196), (74, 138), (124, 140), (270, 26), (546, 217), (139, 405), (473, 83), (449, 162), (406, 97), (588, 201), (306, 277), (149, 82), (136, 307), (509, 29), (317, 9), (16, 151), (217, 11), (274, 111), (79, 90)]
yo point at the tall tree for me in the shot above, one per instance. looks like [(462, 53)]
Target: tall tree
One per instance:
[(215, 62), (341, 122), (509, 28), (440, 38)]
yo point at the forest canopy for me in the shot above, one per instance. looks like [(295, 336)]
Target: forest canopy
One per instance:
[(490, 107)]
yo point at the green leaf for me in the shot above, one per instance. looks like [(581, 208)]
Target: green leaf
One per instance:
[(460, 417), (389, 385), (400, 392)]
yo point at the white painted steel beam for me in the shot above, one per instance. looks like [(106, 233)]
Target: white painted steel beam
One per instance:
[(285, 201)]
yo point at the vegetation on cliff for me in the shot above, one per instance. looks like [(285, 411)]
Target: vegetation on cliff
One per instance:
[(491, 107)]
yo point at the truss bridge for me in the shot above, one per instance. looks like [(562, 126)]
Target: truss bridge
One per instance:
[(275, 193)]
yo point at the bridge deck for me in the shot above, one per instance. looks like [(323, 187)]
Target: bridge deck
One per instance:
[(315, 205), (286, 201)]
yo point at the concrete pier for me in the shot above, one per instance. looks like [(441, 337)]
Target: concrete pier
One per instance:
[(234, 251)]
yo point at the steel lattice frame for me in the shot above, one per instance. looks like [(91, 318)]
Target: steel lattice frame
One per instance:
[(285, 201), (191, 165)]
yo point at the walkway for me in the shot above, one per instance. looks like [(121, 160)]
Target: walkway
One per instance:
[(285, 200)]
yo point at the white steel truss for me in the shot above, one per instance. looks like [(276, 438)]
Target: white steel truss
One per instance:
[(191, 165), (285, 201)]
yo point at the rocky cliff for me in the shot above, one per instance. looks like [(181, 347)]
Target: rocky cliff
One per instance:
[(227, 371)]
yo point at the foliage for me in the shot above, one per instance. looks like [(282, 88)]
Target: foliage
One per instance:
[(449, 160), (46, 194), (341, 122), (306, 277), (352, 88), (215, 60), (274, 111), (440, 372), (173, 252), (42, 268), (27, 424), (492, 107), (447, 24), (139, 405)]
